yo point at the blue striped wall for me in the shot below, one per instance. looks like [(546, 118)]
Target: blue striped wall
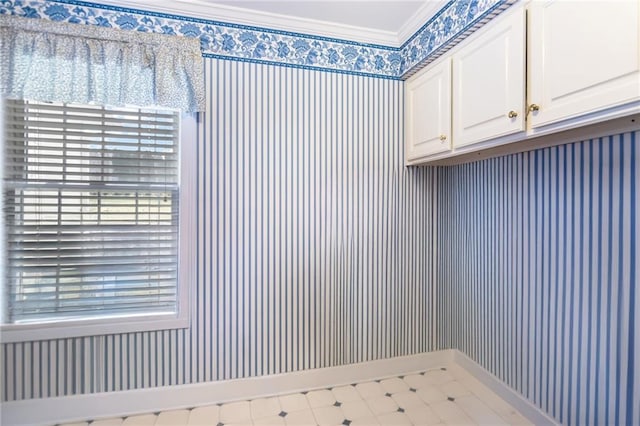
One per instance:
[(537, 275), (313, 245)]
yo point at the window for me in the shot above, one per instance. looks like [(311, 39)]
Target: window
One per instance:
[(92, 218)]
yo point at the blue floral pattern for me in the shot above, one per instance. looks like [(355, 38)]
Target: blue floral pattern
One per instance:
[(222, 40), (444, 30)]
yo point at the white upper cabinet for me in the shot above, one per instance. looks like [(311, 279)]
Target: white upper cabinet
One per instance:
[(489, 82), (428, 112), (584, 57)]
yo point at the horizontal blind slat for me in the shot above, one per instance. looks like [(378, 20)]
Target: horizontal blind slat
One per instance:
[(17, 106)]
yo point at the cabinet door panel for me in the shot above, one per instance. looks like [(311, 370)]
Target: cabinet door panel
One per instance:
[(584, 57), (489, 82), (429, 112)]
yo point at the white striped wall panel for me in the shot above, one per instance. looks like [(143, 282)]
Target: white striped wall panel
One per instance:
[(313, 245), (537, 275)]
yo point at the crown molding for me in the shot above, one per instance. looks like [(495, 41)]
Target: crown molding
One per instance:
[(417, 21), (208, 9)]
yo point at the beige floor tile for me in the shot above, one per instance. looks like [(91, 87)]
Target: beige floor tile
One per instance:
[(235, 412), (346, 393), (300, 418), (294, 402), (515, 419), (407, 399), (140, 420), (451, 413), (394, 385), (438, 377), (478, 411), (422, 415), (320, 398), (173, 418), (394, 419), (455, 389), (271, 420), (115, 421), (265, 407), (382, 405), (205, 416), (328, 415), (366, 421), (356, 410), (416, 381), (431, 394), (370, 390)]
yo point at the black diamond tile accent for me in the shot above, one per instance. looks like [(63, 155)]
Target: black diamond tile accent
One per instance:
[(282, 414), (443, 369), (412, 390), (378, 380), (305, 392), (401, 377), (387, 394), (329, 389), (220, 424), (337, 404), (423, 373), (400, 410), (157, 413), (346, 422), (451, 398), (354, 384)]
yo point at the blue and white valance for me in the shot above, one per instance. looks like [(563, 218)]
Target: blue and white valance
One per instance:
[(60, 62)]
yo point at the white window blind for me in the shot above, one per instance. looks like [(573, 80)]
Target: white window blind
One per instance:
[(90, 204)]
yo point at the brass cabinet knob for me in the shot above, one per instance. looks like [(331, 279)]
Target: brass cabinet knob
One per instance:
[(443, 138), (534, 107), (512, 114)]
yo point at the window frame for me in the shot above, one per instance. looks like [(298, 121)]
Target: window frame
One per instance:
[(11, 333)]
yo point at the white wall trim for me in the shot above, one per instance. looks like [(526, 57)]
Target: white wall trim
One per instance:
[(46, 411), (124, 403), (418, 19), (534, 414), (224, 13)]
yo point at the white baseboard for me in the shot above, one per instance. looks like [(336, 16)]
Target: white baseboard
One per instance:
[(513, 398), (124, 403), (47, 411)]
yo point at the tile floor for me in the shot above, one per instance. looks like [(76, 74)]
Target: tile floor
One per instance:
[(439, 396)]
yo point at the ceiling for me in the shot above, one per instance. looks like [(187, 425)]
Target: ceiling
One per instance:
[(381, 15), (385, 22)]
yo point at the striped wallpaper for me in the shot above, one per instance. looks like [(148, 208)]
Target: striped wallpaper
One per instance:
[(315, 249), (537, 275), (314, 243)]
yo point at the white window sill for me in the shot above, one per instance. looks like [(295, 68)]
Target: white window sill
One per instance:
[(12, 333)]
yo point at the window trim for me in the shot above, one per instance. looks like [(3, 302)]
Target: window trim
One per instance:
[(12, 333)]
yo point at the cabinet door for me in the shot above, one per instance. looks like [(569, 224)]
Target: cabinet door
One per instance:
[(489, 82), (584, 57), (428, 112)]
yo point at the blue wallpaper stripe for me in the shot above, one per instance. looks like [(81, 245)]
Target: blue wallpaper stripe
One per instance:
[(311, 243), (311, 263), (537, 275)]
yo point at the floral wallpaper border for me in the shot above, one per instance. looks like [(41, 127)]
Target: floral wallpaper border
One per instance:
[(262, 45), (456, 20)]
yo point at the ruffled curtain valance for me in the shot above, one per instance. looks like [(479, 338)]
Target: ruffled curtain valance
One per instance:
[(60, 62)]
